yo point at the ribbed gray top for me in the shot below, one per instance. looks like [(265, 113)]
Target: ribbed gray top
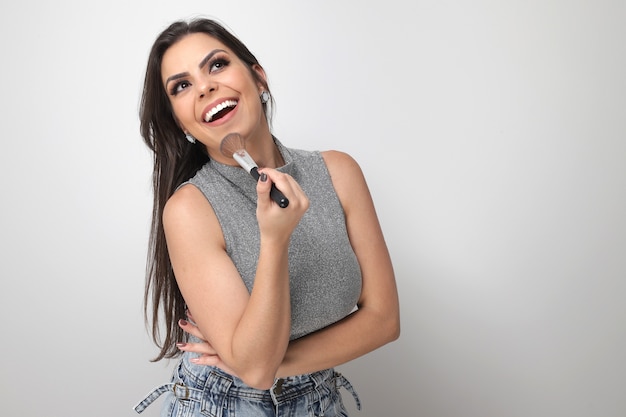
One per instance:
[(324, 274)]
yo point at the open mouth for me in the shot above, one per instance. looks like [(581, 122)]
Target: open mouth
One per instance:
[(220, 111)]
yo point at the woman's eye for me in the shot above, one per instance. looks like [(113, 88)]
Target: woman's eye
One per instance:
[(180, 87), (217, 65)]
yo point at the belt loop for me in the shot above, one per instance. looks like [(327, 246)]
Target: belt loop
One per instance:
[(320, 377), (215, 394)]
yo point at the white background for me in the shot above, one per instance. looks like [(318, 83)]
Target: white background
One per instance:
[(493, 137)]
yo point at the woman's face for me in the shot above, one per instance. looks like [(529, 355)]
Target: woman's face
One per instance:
[(212, 91)]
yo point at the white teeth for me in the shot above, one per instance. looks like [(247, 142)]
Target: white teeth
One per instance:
[(209, 115)]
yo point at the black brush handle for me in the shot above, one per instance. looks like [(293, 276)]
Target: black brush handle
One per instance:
[(275, 193)]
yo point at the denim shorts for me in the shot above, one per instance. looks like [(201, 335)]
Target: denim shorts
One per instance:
[(205, 391)]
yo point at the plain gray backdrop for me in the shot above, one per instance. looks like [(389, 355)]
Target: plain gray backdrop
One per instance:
[(493, 138)]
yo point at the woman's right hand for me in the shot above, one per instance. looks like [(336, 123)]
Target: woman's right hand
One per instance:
[(275, 222)]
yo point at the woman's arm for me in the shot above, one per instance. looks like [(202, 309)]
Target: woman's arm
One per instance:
[(377, 321), (249, 332)]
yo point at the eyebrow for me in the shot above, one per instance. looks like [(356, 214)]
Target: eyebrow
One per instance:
[(202, 63)]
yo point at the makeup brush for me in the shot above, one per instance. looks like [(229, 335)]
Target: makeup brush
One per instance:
[(234, 146)]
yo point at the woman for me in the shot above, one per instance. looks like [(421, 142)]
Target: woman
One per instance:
[(276, 297)]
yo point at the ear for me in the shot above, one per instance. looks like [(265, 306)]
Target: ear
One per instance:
[(261, 78)]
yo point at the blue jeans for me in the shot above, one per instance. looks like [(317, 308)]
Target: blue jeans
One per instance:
[(204, 391)]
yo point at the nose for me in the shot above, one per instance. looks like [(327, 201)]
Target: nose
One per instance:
[(205, 87)]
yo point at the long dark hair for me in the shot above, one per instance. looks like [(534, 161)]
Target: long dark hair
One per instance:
[(175, 161)]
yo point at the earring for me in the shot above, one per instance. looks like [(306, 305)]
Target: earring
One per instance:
[(265, 97), (190, 138)]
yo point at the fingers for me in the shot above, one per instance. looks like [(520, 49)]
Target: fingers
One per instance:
[(212, 360), (201, 348), (191, 329), (283, 182), (263, 187), (207, 355), (208, 360), (279, 221), (189, 316)]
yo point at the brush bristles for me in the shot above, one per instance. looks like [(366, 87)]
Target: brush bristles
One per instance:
[(231, 144)]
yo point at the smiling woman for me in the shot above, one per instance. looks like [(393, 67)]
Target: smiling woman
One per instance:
[(260, 301), (190, 72)]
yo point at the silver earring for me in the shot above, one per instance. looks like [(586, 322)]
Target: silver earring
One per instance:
[(190, 138), (265, 97)]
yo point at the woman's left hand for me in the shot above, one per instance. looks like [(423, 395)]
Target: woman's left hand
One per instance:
[(208, 355)]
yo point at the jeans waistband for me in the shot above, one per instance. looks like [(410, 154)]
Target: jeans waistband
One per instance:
[(284, 389)]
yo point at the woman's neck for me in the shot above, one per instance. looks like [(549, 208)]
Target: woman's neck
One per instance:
[(265, 152)]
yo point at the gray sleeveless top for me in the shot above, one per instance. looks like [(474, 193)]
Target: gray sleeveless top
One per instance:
[(324, 274)]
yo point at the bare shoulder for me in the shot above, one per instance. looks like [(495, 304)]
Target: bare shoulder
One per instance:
[(339, 161), (342, 167), (347, 177), (188, 211), (186, 201)]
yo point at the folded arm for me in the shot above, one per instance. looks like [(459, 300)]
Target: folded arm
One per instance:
[(248, 331), (376, 321)]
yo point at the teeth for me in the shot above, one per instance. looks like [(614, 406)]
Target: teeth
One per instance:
[(209, 115)]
